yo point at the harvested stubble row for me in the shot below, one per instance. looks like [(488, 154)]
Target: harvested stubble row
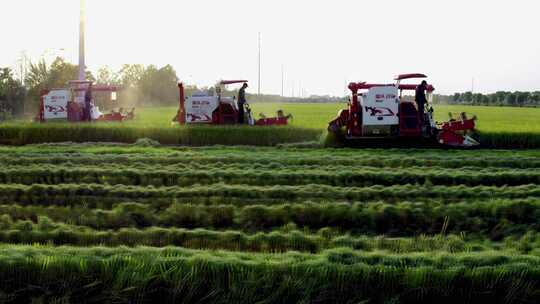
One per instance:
[(283, 158), (46, 232), (259, 177), (494, 218), (271, 162), (73, 194), (179, 163)]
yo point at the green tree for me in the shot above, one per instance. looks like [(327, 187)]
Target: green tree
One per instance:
[(456, 98), (131, 74), (467, 97), (477, 98), (12, 94), (500, 97), (38, 75), (159, 85), (57, 75), (485, 100), (535, 97), (510, 99), (492, 99), (107, 76), (522, 98)]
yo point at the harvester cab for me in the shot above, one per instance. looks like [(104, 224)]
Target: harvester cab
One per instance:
[(385, 112), (216, 108)]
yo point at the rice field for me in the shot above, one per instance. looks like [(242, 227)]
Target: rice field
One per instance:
[(137, 223), (317, 116), (147, 212), (497, 128)]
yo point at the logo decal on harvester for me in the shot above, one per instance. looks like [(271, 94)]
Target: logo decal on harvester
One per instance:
[(379, 111), (380, 97), (194, 117), (55, 110)]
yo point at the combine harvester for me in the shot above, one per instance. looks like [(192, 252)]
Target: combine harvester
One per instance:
[(378, 114), (216, 109), (69, 104)]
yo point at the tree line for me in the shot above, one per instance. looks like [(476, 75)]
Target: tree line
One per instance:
[(500, 98), (142, 86), (12, 94)]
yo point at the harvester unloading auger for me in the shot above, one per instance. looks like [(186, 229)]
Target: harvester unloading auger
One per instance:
[(380, 113)]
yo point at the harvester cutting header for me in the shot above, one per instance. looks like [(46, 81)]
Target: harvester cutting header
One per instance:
[(380, 112)]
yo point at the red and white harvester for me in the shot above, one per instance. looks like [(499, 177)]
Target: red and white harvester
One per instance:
[(69, 104), (381, 113), (217, 109)]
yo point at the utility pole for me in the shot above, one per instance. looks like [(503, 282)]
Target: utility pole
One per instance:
[(259, 87), (82, 67), (22, 62), (23, 66)]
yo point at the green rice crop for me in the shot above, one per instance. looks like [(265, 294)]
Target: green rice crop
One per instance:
[(22, 134), (498, 128)]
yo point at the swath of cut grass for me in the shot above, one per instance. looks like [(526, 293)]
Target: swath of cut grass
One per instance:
[(337, 275), (496, 219), (300, 224)]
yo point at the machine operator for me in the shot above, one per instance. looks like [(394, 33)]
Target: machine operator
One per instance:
[(241, 102), (87, 104), (421, 99)]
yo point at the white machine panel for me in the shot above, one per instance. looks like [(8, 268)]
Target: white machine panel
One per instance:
[(55, 104), (380, 106), (199, 108)]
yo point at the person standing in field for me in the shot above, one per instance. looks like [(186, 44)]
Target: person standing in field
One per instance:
[(87, 102), (241, 102), (421, 99)]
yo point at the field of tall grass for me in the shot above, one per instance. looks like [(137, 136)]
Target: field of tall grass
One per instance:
[(89, 223), (497, 128), (317, 115)]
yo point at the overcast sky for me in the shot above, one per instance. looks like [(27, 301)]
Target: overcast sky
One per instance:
[(321, 44)]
